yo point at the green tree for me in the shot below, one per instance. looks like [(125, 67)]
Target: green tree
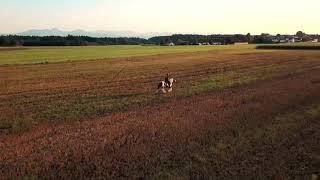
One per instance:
[(300, 34)]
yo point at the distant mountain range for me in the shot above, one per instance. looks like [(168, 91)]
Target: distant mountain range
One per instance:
[(57, 32)]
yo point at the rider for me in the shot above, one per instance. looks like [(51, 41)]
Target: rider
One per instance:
[(166, 80)]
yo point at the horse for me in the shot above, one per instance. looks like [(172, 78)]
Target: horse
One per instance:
[(167, 83)]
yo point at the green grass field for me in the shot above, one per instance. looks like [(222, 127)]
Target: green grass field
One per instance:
[(34, 55), (291, 46)]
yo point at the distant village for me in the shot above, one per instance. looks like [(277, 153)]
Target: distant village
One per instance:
[(236, 39)]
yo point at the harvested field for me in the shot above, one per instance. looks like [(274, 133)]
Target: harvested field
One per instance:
[(73, 91), (268, 128)]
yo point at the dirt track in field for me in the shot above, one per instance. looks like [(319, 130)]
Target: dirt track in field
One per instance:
[(259, 129)]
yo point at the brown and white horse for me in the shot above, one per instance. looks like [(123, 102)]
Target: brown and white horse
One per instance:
[(167, 83)]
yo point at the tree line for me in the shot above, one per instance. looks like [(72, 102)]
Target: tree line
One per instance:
[(13, 40), (190, 39), (177, 39)]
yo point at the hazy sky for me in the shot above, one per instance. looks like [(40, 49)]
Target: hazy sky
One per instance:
[(177, 16)]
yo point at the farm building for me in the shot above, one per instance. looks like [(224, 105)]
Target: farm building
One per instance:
[(241, 43)]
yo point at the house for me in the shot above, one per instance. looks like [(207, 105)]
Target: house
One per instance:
[(315, 40), (291, 40), (216, 43), (295, 40), (241, 43)]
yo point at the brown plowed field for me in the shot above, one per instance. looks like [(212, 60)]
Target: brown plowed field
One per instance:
[(267, 128)]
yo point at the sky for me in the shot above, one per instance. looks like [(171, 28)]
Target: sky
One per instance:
[(174, 16)]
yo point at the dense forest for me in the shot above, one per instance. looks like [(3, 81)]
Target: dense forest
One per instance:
[(13, 40), (177, 39)]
